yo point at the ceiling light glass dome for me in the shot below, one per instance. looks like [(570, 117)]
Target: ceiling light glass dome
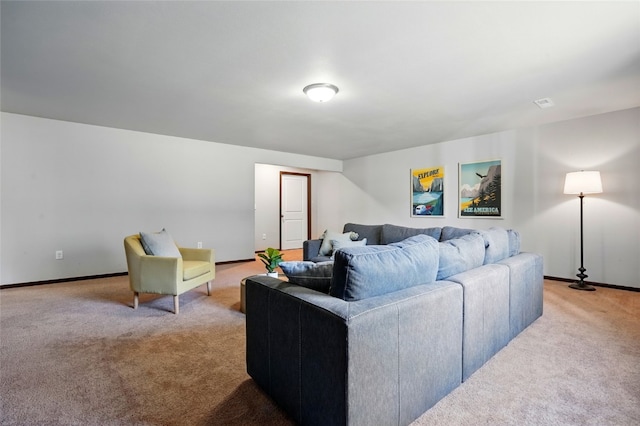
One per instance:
[(320, 92)]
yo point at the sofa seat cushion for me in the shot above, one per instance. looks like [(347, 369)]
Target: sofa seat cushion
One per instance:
[(363, 272), (194, 268), (460, 254), (316, 276), (394, 233)]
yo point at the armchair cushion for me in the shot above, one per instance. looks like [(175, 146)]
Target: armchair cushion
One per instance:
[(194, 268), (159, 244)]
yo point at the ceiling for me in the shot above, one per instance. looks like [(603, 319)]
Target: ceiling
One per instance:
[(409, 73)]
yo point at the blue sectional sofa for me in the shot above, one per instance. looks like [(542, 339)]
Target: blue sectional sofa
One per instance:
[(404, 322)]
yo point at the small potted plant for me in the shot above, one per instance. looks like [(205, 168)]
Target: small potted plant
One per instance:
[(271, 259)]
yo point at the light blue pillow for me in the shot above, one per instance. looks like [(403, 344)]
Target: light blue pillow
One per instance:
[(451, 232), (362, 272), (159, 244), (514, 242), (338, 244), (460, 254), (496, 241), (316, 276), (326, 248)]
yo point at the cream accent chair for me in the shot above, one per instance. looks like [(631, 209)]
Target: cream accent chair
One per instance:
[(167, 275)]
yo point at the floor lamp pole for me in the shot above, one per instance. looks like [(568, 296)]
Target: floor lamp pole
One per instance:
[(580, 285)]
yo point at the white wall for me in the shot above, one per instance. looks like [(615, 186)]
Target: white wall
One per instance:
[(82, 189), (267, 219), (376, 189)]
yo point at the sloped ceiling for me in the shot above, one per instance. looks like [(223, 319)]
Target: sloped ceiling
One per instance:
[(409, 73)]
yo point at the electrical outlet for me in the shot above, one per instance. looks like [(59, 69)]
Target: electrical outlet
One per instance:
[(59, 255), (199, 244), (264, 236)]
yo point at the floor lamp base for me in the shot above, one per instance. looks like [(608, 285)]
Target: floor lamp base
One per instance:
[(582, 286)]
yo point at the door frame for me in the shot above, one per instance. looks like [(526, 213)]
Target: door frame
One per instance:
[(308, 176)]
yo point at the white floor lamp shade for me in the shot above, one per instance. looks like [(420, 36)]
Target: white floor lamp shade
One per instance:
[(583, 182)]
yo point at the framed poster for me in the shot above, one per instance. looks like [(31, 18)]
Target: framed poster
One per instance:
[(427, 192), (480, 191)]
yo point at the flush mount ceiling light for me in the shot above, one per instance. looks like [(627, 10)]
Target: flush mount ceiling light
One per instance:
[(320, 92)]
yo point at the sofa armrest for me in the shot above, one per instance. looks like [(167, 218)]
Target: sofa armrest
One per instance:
[(486, 314), (526, 283), (311, 249), (204, 255), (381, 360)]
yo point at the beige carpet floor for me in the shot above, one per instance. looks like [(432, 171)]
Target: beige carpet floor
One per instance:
[(77, 354)]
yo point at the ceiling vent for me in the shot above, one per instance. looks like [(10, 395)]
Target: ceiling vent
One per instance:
[(544, 103)]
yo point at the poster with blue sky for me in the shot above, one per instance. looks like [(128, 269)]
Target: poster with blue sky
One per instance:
[(427, 192), (481, 189)]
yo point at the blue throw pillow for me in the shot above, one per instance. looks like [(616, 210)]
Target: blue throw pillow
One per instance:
[(316, 276), (460, 254), (496, 241), (450, 232), (362, 272), (514, 242), (159, 244)]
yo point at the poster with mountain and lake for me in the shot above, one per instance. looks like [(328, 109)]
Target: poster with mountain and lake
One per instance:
[(480, 189), (427, 192)]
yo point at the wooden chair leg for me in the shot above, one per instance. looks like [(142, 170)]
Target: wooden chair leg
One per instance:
[(135, 299), (208, 288), (176, 305)]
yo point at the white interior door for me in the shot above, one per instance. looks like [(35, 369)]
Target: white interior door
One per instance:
[(294, 210)]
